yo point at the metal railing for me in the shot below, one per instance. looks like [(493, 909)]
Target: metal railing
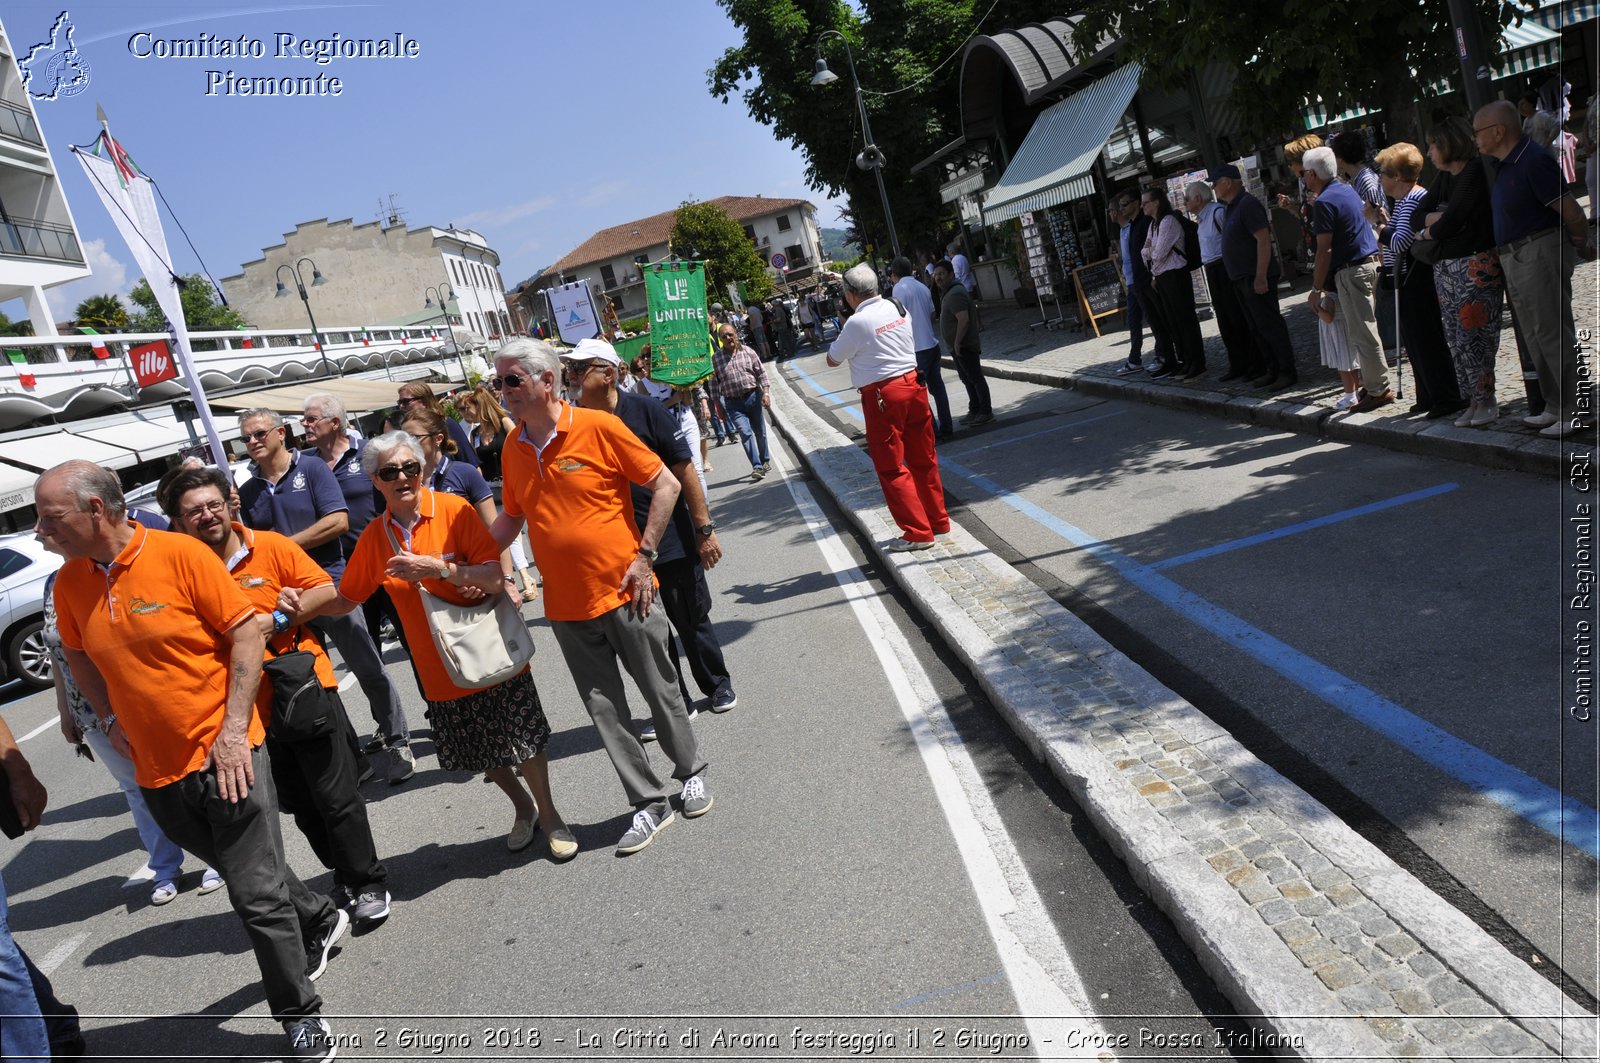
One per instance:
[(16, 122), (39, 239)]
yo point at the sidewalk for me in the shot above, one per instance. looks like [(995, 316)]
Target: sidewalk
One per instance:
[(1325, 944), (1014, 351)]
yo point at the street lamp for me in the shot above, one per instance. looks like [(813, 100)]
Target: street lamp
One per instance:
[(317, 280), (871, 157), (443, 294)]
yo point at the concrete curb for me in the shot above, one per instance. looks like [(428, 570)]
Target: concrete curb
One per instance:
[(1494, 450), (1284, 947)]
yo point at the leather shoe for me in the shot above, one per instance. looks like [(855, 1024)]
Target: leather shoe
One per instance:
[(1369, 401), (1232, 374), (563, 846), (1283, 383), (521, 835), (1449, 409), (1418, 407), (1265, 380)]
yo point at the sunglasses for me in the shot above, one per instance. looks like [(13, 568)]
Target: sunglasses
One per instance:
[(583, 368), (410, 470), (510, 380), (257, 436), (405, 401)]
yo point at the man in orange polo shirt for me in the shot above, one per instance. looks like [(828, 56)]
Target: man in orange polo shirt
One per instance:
[(315, 776), (567, 472), (162, 642)]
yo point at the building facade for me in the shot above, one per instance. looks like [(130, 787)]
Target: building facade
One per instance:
[(784, 232), (374, 272), (39, 245)]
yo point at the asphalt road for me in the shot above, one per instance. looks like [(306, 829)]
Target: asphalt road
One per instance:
[(883, 860), (1380, 627)]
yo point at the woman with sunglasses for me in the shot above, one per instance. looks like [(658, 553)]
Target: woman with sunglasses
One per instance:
[(445, 549), (417, 394)]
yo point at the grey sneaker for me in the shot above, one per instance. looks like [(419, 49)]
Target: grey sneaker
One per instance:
[(310, 1038), (321, 944), (647, 823), (370, 906), (724, 699), (405, 765), (696, 798)]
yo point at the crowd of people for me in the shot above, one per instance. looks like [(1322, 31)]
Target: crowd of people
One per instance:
[(192, 656)]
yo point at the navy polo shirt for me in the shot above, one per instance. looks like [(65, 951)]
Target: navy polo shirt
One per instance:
[(307, 493), (659, 430), (466, 453), (1529, 182), (460, 479), (360, 497), (1338, 211), (1241, 220)]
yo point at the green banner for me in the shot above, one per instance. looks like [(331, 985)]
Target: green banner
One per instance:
[(680, 351), (628, 349)]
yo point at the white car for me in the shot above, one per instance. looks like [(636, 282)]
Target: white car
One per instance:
[(24, 566)]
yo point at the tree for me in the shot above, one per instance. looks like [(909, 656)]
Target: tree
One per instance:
[(15, 328), (712, 234), (104, 312), (201, 310)]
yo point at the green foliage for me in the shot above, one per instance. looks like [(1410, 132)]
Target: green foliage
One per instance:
[(634, 324), (103, 312), (728, 253), (15, 328), (201, 310), (836, 243)]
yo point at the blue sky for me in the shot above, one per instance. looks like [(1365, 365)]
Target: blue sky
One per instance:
[(535, 123)]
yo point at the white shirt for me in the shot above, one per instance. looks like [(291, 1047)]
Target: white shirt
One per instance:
[(1210, 225), (963, 272), (917, 300), (877, 343)]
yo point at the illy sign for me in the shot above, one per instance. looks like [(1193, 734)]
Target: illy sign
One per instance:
[(152, 363)]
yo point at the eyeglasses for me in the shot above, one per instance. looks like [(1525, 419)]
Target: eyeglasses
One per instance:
[(309, 420), (194, 513), (410, 470), (729, 336), (1486, 128), (258, 435), (510, 380)]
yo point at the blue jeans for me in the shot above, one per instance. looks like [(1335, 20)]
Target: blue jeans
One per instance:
[(25, 998), (928, 365), (748, 417), (166, 859)]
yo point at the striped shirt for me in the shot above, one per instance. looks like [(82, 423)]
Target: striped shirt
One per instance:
[(733, 376), (1398, 235)]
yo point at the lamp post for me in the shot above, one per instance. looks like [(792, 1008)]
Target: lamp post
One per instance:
[(871, 157), (317, 280), (443, 294)]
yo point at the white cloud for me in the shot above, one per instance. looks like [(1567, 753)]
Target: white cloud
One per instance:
[(504, 215), (109, 276)]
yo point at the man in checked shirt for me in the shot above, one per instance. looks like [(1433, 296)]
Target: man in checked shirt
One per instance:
[(739, 379)]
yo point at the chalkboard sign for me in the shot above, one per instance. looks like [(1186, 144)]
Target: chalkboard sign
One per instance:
[(1099, 290)]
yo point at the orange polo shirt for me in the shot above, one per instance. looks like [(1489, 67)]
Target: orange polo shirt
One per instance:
[(574, 495), (268, 563), (153, 624), (447, 528)]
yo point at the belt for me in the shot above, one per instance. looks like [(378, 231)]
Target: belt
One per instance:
[(911, 373), (1357, 262), (1523, 241)]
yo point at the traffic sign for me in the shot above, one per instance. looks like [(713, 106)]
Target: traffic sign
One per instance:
[(779, 262)]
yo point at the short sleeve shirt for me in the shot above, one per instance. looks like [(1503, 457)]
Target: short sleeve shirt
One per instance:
[(876, 343), (154, 622), (1244, 218), (306, 493), (574, 495), (361, 498), (956, 299), (447, 528), (661, 432), (1338, 211), (1529, 182), (918, 301), (268, 563), (455, 478)]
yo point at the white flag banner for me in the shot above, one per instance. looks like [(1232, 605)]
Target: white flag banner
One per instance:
[(129, 198), (572, 308)]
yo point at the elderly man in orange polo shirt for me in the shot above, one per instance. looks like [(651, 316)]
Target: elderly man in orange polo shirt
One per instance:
[(165, 647), (567, 472)]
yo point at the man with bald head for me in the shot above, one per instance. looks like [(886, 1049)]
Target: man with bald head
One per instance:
[(1531, 205)]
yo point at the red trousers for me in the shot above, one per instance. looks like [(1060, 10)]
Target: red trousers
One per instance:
[(900, 442)]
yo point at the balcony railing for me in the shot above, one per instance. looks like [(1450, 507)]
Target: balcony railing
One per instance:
[(39, 239), (17, 123)]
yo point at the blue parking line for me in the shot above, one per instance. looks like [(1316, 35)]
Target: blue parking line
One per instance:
[(988, 979), (1544, 806), (828, 395), (1304, 526), (968, 452)]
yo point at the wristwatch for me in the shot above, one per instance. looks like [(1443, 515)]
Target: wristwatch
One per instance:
[(647, 553), (706, 529), (444, 571)]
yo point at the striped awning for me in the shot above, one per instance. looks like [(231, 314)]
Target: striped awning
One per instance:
[(1053, 165), (1559, 14)]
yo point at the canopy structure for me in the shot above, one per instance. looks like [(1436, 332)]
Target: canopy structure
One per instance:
[(358, 396), (1054, 163)]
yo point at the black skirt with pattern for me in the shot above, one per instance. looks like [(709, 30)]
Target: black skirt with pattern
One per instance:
[(495, 728)]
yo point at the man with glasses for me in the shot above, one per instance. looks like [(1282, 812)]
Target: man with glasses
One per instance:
[(295, 494), (567, 475), (1530, 205), (740, 380), (315, 777)]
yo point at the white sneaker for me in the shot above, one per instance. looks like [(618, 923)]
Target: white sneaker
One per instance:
[(1540, 420), (1467, 415), (1485, 414), (903, 545), (210, 882), (1348, 400), (164, 892), (1557, 430)]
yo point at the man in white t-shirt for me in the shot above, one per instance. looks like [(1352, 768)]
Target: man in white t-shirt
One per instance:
[(914, 296), (878, 345), (963, 269)]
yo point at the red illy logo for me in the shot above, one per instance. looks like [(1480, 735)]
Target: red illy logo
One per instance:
[(152, 363)]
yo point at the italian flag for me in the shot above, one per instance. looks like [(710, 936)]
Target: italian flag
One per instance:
[(366, 338), (246, 343), (25, 378), (97, 344), (127, 169)]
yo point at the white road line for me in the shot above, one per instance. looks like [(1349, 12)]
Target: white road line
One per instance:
[(54, 721), (58, 955), (1049, 993)]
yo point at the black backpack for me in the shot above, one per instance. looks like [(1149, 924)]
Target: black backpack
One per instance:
[(1191, 242)]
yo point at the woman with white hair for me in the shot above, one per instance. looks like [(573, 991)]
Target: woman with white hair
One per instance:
[(429, 540)]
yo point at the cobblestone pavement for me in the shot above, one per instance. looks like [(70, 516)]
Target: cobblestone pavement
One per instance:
[(1013, 348), (1300, 921)]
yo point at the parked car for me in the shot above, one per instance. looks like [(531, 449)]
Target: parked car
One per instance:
[(24, 566)]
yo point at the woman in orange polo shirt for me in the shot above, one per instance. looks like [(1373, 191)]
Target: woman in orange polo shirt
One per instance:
[(445, 547)]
